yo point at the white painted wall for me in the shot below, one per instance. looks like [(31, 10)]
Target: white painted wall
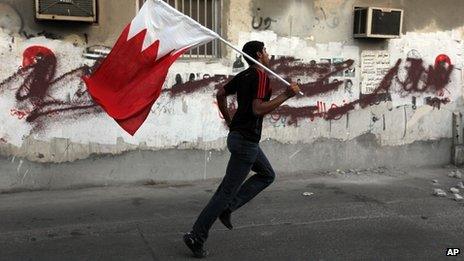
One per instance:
[(192, 120)]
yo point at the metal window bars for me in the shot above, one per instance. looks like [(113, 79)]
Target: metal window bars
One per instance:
[(208, 14)]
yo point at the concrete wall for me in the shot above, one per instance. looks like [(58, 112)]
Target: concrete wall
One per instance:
[(332, 21), (113, 16), (365, 104)]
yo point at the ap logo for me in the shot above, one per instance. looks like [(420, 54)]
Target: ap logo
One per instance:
[(452, 251)]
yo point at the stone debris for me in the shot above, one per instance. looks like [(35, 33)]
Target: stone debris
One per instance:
[(439, 193), (455, 174), (307, 193), (454, 190), (458, 197), (435, 181), (367, 171), (460, 185), (458, 174)]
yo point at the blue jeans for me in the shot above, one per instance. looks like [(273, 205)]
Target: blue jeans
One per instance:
[(231, 193)]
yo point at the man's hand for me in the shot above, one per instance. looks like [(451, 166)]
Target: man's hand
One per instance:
[(262, 108), (292, 90)]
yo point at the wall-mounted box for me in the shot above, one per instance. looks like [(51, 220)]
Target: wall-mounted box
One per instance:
[(66, 10), (377, 22)]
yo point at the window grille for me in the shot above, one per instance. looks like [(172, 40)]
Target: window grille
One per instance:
[(208, 14)]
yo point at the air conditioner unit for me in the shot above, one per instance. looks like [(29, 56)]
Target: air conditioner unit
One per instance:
[(66, 10), (377, 22)]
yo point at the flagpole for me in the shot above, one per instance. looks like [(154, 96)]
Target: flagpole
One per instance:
[(254, 60), (211, 32)]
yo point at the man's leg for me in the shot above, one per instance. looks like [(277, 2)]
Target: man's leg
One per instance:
[(240, 163), (264, 176)]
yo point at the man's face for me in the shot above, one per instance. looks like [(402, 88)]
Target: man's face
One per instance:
[(264, 57)]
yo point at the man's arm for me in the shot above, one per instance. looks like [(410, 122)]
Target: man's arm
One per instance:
[(221, 98), (262, 108)]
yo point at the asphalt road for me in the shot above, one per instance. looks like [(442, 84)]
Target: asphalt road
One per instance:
[(373, 215)]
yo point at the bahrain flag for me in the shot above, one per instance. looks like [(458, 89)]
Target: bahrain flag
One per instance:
[(129, 80)]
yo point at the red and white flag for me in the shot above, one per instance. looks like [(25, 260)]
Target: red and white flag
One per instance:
[(129, 80)]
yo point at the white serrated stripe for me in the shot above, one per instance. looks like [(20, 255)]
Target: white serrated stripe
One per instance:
[(174, 30)]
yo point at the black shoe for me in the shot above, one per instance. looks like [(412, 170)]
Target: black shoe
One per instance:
[(225, 219), (193, 243)]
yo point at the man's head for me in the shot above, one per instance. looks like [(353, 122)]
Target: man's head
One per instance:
[(257, 51)]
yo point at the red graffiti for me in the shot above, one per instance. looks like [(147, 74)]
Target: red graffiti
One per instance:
[(38, 94), (417, 78), (433, 80), (295, 113), (436, 102), (43, 62), (195, 85), (292, 68), (288, 66), (20, 114), (368, 99), (275, 117), (442, 59)]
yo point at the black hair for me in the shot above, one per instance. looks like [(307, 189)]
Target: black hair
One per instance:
[(252, 48)]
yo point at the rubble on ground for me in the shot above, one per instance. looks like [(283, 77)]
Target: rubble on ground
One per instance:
[(367, 171), (460, 185), (455, 174), (458, 197), (439, 193)]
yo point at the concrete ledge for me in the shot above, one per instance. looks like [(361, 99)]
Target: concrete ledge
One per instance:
[(174, 165)]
